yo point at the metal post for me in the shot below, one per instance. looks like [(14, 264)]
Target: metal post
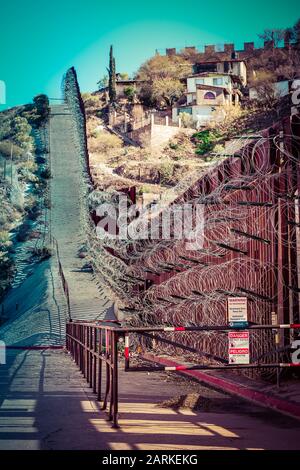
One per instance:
[(94, 361), (107, 385), (99, 366), (126, 351), (115, 379), (90, 356)]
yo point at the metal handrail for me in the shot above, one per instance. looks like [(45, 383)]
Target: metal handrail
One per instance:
[(90, 348), (93, 344)]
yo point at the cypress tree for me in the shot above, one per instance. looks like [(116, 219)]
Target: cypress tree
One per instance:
[(112, 76)]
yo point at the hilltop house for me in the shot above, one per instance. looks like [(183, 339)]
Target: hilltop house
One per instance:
[(205, 93), (233, 67), (122, 85)]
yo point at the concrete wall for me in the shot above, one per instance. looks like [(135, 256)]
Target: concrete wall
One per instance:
[(157, 135)]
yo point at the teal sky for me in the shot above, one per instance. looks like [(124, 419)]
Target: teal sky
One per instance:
[(39, 40)]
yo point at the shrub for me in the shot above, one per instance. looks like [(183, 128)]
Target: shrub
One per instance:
[(23, 232), (41, 103), (47, 202), (6, 146), (186, 120), (129, 92), (3, 219), (104, 142), (21, 132), (226, 120), (218, 148), (46, 173), (4, 240), (205, 141), (166, 171), (42, 253)]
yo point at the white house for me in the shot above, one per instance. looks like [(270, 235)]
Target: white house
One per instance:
[(232, 67), (205, 93)]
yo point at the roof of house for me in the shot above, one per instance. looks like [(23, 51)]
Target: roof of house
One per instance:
[(211, 87), (207, 74), (219, 61), (129, 81)]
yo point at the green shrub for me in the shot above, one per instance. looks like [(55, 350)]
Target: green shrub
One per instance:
[(129, 92), (205, 141)]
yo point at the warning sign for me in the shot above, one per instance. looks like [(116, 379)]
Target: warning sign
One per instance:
[(237, 311), (238, 347)]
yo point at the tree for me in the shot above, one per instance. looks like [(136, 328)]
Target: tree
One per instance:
[(91, 102), (103, 82), (7, 147), (296, 32), (275, 35), (164, 66), (112, 77), (266, 91), (167, 90), (5, 126), (41, 102), (21, 133), (129, 92), (124, 76), (162, 76)]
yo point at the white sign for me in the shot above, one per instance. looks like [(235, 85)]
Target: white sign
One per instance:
[(238, 347), (237, 309)]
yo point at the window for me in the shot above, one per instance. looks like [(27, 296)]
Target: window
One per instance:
[(217, 81), (199, 81), (185, 110), (209, 95)]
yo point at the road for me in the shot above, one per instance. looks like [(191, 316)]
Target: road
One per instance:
[(46, 404)]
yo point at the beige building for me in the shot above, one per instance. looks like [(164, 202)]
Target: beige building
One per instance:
[(205, 93), (234, 67)]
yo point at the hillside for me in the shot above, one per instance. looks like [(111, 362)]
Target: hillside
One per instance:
[(23, 189)]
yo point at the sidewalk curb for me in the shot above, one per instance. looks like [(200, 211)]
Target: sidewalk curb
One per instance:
[(258, 397)]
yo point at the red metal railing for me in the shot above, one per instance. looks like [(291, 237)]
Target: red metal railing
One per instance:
[(94, 344)]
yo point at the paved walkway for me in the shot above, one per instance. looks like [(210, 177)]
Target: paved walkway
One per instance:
[(87, 301), (46, 404)]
